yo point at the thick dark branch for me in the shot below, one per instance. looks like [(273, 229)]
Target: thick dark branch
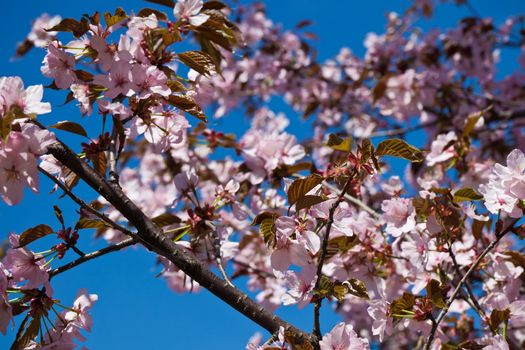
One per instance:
[(87, 257), (153, 239)]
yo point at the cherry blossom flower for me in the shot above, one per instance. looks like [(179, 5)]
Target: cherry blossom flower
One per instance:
[(59, 66), (188, 10), (399, 215), (24, 265), (506, 186), (343, 337), (442, 149), (38, 36)]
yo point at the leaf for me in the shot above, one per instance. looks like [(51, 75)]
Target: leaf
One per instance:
[(26, 334), (300, 187), (368, 152), (71, 25), (145, 12), (405, 303), (499, 316), (189, 105), (357, 288), (339, 144), (168, 3), (84, 223), (472, 120), (100, 162), (261, 216), (198, 61), (71, 127), (308, 201), (165, 219), (379, 90), (58, 214), (116, 18), (399, 148), (268, 231), (466, 194), (34, 233), (436, 294), (517, 258)]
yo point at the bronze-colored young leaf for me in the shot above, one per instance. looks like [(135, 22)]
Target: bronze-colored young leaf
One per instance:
[(436, 294), (84, 223), (261, 216), (78, 28), (399, 148), (404, 303), (165, 219), (188, 105), (34, 233), (71, 127), (168, 3), (198, 61), (308, 201), (466, 194), (380, 88), (268, 231), (301, 187), (339, 144), (27, 332), (145, 12), (357, 288), (499, 316), (472, 120), (117, 17), (58, 214)]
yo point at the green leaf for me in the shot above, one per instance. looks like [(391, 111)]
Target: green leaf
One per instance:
[(300, 187), (84, 223), (71, 127), (466, 194), (436, 294), (339, 144), (34, 233), (399, 148), (166, 219), (198, 61)]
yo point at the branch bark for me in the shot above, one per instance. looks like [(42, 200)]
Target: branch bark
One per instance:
[(153, 239), (444, 311)]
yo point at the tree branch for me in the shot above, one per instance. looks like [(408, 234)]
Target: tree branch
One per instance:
[(154, 239), (84, 204), (87, 257), (456, 291), (324, 248)]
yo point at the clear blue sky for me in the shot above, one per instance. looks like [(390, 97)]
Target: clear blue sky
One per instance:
[(136, 310)]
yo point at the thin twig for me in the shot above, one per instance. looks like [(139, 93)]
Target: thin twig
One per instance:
[(354, 200), (87, 257), (324, 248), (456, 291), (84, 205)]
